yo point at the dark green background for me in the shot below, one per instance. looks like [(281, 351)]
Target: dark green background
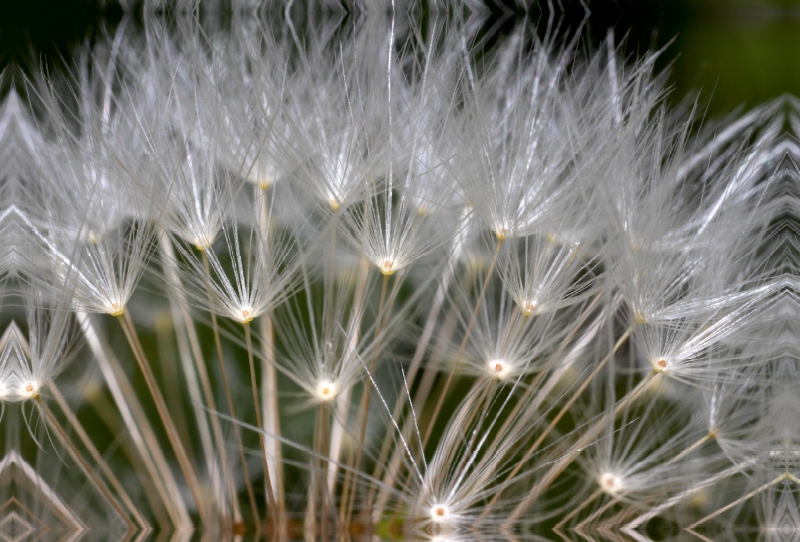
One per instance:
[(736, 52)]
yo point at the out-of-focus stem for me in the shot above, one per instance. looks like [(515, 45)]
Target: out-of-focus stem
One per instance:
[(87, 469), (136, 423), (169, 425), (259, 423)]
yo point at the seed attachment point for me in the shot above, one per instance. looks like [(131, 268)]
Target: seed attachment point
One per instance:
[(439, 513), (116, 308), (326, 390), (528, 308), (499, 368), (661, 365), (610, 483), (387, 267), (30, 389), (245, 315), (502, 233)]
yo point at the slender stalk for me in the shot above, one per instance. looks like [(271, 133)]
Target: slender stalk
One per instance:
[(163, 331), (87, 469), (172, 433), (269, 377), (137, 425), (343, 400), (152, 488), (363, 414), (323, 445), (702, 440), (577, 510), (197, 380), (236, 429), (606, 506), (666, 505), (138, 519), (741, 499), (259, 424), (270, 409)]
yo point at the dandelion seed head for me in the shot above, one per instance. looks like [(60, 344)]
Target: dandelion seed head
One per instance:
[(598, 215)]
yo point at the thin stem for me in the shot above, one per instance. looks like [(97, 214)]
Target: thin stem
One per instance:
[(599, 511), (137, 424), (65, 440), (727, 473), (343, 400), (269, 375), (322, 447), (577, 510), (172, 433), (84, 437), (194, 368), (152, 487), (708, 436), (271, 412), (259, 424), (363, 413), (743, 498)]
